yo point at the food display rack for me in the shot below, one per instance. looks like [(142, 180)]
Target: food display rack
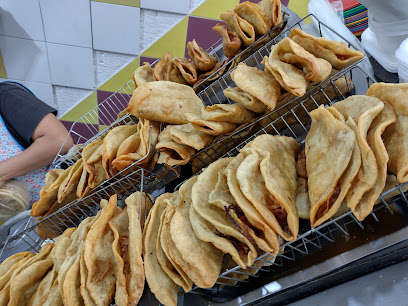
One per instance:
[(26, 235), (127, 181), (291, 119)]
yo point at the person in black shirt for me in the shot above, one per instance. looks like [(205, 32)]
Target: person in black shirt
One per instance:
[(34, 126)]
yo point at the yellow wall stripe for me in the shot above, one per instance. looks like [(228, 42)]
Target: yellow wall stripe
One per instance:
[(135, 3), (213, 8), (173, 41), (3, 73), (82, 108), (121, 78)]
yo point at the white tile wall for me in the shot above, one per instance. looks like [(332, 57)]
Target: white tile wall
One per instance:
[(67, 22), (25, 60), (115, 28), (67, 98), (42, 91), (21, 19), (71, 66), (174, 6)]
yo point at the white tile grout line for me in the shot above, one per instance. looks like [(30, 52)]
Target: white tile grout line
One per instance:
[(48, 59)]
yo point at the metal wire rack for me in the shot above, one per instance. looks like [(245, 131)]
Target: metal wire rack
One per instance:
[(31, 234), (213, 93), (105, 114), (290, 118), (86, 128), (308, 241), (216, 50)]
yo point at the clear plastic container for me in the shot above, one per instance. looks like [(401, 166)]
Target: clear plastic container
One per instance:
[(402, 58)]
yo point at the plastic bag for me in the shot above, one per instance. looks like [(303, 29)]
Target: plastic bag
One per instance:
[(387, 18), (14, 198)]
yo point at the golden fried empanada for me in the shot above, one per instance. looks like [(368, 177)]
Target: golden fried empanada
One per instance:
[(243, 28), (231, 43), (201, 58), (258, 83), (337, 53)]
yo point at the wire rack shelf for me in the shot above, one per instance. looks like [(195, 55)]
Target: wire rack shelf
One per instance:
[(104, 114), (216, 50), (31, 234)]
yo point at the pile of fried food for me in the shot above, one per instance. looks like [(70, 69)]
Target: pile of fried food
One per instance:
[(244, 22), (103, 158), (294, 65), (349, 149), (238, 207), (91, 264), (235, 210)]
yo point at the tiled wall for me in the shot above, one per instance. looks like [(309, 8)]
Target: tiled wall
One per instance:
[(73, 54)]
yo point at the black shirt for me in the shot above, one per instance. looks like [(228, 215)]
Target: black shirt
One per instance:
[(21, 112)]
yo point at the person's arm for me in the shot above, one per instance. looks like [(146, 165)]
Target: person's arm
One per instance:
[(48, 138)]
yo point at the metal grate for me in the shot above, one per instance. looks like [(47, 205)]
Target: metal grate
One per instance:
[(104, 114), (217, 51), (26, 237), (106, 111), (289, 118), (213, 93)]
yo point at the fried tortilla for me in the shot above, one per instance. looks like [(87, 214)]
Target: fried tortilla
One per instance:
[(329, 151), (245, 99), (187, 135), (43, 288), (243, 251), (267, 178), (223, 198), (270, 239), (337, 53), (283, 63), (163, 247), (240, 26), (160, 284), (233, 113), (253, 13), (126, 285), (44, 204), (203, 60), (362, 110), (200, 256), (143, 74), (397, 147), (384, 119), (259, 84), (141, 156), (144, 203), (23, 285), (99, 257), (165, 102), (112, 141), (209, 127), (187, 69), (70, 183), (272, 9), (231, 43), (171, 152), (162, 69)]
